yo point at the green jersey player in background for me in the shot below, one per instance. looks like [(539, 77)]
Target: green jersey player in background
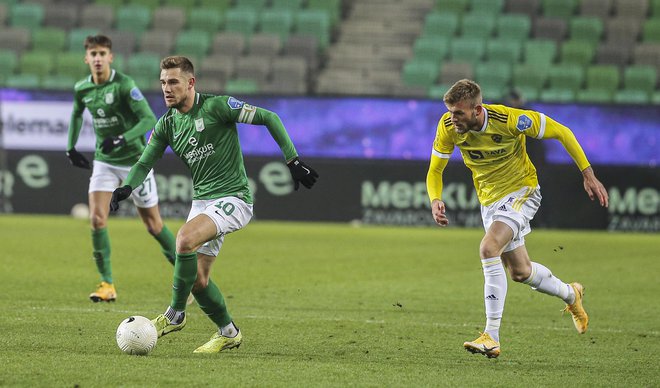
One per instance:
[(121, 118), (201, 130)]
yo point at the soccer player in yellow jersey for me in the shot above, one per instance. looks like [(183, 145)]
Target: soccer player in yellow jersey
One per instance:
[(491, 139)]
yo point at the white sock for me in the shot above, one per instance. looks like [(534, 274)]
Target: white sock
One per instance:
[(230, 330), (495, 287), (175, 317), (542, 280)]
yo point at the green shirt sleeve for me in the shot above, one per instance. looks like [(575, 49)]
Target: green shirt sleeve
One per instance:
[(154, 151), (139, 106), (75, 124)]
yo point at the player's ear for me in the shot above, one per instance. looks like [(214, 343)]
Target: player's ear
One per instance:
[(191, 83), (479, 109)]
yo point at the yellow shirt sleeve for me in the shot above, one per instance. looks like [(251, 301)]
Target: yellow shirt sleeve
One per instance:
[(555, 130), (434, 177)]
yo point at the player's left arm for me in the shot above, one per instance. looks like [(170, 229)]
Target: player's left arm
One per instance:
[(554, 130)]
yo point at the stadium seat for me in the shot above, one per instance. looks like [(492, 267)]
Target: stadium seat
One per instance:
[(469, 50), (30, 16), (220, 5), (550, 28), (205, 19), (491, 7), (241, 86), (604, 79), (193, 43), (292, 69), (114, 4), (123, 42), (243, 21), (77, 37), (291, 5), (303, 46), (332, 7), (513, 27), (640, 77), (437, 92), (144, 65), (530, 8), (49, 39), (647, 54), (23, 81), (530, 76), (577, 52), (588, 29), (637, 9), (4, 12), (16, 39), (655, 9), (622, 31), (564, 9), (561, 95), (651, 31), (171, 18), (594, 96), (631, 96), (58, 83), (71, 64), (601, 9), (159, 42), (253, 67), (475, 25), (277, 21), (440, 24), (496, 74), (431, 49), (452, 6), (219, 66), (134, 18), (506, 50), (265, 45), (420, 73), (64, 16), (185, 4), (314, 23), (97, 16), (256, 5), (613, 54), (8, 62), (231, 44), (151, 5), (450, 72), (539, 51), (566, 76)]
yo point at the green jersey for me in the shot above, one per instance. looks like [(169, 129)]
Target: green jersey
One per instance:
[(206, 139), (117, 108)]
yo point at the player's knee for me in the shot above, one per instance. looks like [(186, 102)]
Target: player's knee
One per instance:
[(97, 220), (488, 248), (184, 242), (153, 229), (200, 283), (519, 273)]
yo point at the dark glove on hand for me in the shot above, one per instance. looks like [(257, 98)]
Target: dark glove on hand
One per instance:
[(302, 173), (112, 142), (120, 194), (77, 159)]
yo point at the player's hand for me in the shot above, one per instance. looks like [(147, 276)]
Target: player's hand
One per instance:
[(438, 210), (120, 194), (302, 173), (594, 188), (112, 142), (77, 159)]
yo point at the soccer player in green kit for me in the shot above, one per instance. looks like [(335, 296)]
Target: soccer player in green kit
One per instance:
[(201, 130), (121, 117)]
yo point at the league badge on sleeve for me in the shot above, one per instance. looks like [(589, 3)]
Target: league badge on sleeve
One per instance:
[(136, 94), (234, 103), (524, 123)]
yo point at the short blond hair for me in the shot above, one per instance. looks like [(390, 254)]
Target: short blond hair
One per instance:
[(463, 90)]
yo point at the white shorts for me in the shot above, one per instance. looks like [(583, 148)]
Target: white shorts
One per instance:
[(229, 215), (106, 177), (516, 210)]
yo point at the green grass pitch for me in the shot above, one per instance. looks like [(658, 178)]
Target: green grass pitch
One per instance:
[(327, 305)]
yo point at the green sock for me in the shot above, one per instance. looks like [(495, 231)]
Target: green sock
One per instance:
[(167, 244), (185, 273), (211, 301), (101, 244)]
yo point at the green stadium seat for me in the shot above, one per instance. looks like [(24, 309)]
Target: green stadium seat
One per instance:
[(205, 19), (144, 65), (49, 39), (193, 43), (71, 64), (278, 22), (513, 27), (475, 25), (256, 5), (115, 4), (564, 9), (588, 29), (431, 49), (23, 81), (503, 50), (470, 50), (452, 6), (220, 5), (185, 4), (655, 98), (420, 73), (332, 7), (146, 83), (437, 92), (557, 95), (566, 76), (530, 76), (134, 18), (594, 96), (8, 62), (651, 31), (489, 7), (314, 23), (243, 21), (640, 77), (58, 83), (27, 15), (655, 9), (441, 24), (77, 37), (603, 77), (241, 86), (529, 92), (632, 96), (291, 5), (539, 51), (149, 4), (577, 52), (493, 76), (36, 62)]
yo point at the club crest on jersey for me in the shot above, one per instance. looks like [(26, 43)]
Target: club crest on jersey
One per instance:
[(234, 103), (524, 123), (496, 138), (136, 94), (109, 98), (199, 124)]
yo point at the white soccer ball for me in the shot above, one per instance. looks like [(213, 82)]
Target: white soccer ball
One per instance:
[(137, 335), (80, 211)]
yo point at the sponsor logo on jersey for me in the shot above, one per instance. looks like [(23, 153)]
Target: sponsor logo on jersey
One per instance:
[(234, 103), (136, 94), (496, 138), (87, 100), (199, 153), (109, 98), (100, 112), (524, 123), (199, 124)]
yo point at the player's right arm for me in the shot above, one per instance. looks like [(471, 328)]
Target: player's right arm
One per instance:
[(75, 125), (442, 150)]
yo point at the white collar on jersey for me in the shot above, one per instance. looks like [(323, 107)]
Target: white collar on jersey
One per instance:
[(483, 128)]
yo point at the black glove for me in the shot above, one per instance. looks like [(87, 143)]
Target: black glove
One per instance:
[(302, 173), (120, 194), (112, 142), (77, 159)]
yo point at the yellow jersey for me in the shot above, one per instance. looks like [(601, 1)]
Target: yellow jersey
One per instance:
[(496, 153)]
